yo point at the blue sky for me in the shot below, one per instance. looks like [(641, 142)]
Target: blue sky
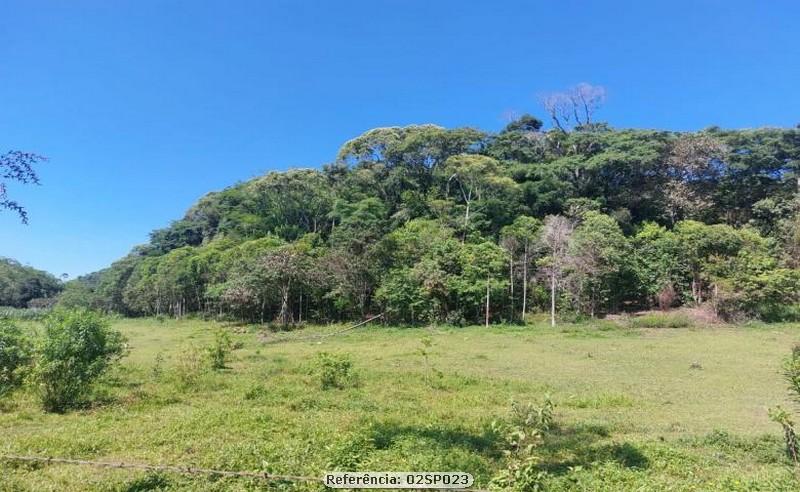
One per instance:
[(143, 106)]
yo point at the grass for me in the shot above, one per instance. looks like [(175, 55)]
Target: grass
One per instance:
[(662, 320), (636, 408)]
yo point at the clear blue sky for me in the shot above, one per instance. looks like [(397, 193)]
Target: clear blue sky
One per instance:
[(143, 106)]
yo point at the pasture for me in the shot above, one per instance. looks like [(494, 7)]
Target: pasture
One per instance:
[(635, 408)]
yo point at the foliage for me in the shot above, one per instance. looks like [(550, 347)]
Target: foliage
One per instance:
[(23, 314), (427, 224), (662, 320), (334, 370), (15, 356), (77, 347), (220, 349), (17, 166), (522, 435), (784, 419), (189, 366), (21, 284)]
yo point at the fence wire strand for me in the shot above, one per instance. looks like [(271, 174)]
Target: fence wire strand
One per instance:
[(319, 336), (186, 470)]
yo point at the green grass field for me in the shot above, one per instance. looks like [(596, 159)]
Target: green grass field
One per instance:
[(637, 409)]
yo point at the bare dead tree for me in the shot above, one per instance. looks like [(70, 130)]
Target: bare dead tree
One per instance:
[(555, 242), (574, 107), (586, 99)]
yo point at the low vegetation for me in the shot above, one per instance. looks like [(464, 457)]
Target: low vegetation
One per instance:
[(76, 348), (598, 407), (662, 320)]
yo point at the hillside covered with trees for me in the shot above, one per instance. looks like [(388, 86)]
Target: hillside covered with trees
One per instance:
[(23, 286), (430, 224)]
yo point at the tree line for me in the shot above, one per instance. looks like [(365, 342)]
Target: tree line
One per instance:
[(429, 224), (23, 286)]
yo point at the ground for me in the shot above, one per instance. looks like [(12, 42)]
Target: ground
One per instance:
[(636, 408)]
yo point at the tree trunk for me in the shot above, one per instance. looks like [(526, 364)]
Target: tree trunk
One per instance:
[(284, 313), (487, 300), (553, 299), (511, 283), (525, 281)]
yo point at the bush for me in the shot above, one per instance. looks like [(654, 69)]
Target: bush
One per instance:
[(219, 350), (675, 320), (791, 373), (78, 346), (335, 371), (189, 366), (522, 435), (15, 356)]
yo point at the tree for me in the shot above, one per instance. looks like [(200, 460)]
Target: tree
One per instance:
[(20, 284), (656, 263), (597, 251), (286, 267), (555, 238), (699, 244), (520, 239), (17, 166), (575, 106), (475, 177), (694, 166)]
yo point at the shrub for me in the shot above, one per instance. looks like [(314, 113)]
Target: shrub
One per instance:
[(219, 350), (335, 370), (189, 366), (791, 372), (522, 435), (15, 356), (78, 346)]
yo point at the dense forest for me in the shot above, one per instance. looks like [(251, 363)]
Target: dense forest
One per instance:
[(428, 224), (22, 286)]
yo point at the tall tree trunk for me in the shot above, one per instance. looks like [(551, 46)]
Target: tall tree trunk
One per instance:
[(487, 299), (284, 313), (511, 283), (525, 281), (553, 298)]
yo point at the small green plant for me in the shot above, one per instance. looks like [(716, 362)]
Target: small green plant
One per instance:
[(782, 417), (791, 372), (189, 366), (521, 435), (424, 351), (220, 349), (335, 370), (15, 356), (158, 367), (78, 346)]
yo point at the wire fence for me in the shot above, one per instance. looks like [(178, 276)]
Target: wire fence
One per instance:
[(186, 470), (318, 336)]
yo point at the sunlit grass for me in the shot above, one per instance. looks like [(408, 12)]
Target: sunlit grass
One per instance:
[(648, 409)]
